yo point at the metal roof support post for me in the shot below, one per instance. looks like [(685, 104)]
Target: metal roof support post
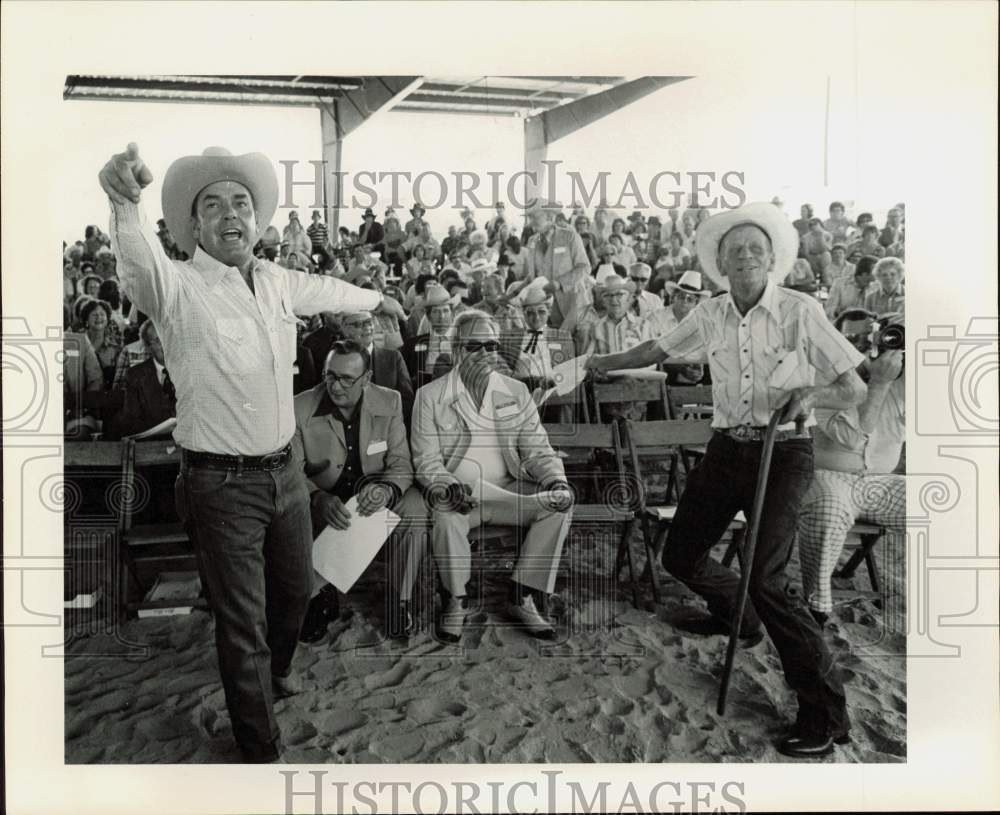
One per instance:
[(333, 149)]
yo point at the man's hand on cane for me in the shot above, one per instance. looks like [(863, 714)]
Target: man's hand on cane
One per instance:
[(125, 175), (800, 402)]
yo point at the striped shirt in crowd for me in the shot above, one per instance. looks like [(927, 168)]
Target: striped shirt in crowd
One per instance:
[(318, 234)]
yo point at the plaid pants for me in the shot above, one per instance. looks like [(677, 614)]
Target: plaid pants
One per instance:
[(832, 505)]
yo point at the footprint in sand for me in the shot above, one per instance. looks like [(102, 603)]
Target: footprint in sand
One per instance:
[(389, 679), (425, 711), (340, 721), (617, 707)]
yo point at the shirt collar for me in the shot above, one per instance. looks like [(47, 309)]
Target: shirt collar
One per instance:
[(768, 301), (327, 408), (159, 369), (212, 270)]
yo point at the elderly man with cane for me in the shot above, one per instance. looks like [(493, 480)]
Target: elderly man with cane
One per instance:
[(227, 322), (768, 349)]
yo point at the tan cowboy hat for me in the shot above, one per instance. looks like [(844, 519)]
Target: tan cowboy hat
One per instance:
[(764, 215), (189, 175), (689, 282), (615, 284), (534, 296), (482, 265), (436, 295)]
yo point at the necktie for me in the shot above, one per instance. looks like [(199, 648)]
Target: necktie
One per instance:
[(543, 244), (532, 345), (168, 388)]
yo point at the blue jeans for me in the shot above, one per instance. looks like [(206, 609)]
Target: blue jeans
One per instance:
[(252, 537), (723, 483)]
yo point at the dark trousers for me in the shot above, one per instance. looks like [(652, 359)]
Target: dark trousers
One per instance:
[(723, 483), (252, 536)]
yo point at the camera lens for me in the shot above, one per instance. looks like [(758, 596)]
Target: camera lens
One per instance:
[(893, 337)]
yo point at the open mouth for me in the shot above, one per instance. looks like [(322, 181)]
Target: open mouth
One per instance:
[(232, 235)]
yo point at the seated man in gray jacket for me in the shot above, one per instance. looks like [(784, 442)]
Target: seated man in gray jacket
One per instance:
[(351, 436)]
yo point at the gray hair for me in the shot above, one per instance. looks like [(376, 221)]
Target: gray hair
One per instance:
[(885, 263), (464, 321)]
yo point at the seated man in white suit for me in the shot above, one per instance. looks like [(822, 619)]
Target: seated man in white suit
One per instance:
[(476, 430)]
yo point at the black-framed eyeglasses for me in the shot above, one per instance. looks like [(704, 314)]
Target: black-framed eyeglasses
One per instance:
[(332, 378), (641, 279), (475, 346)]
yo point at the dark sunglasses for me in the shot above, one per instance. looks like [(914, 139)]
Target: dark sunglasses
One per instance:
[(489, 346)]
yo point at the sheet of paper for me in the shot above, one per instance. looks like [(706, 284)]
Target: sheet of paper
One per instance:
[(638, 373), (162, 429), (492, 492), (342, 555), (570, 374)]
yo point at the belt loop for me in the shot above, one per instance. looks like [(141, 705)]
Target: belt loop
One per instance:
[(239, 466)]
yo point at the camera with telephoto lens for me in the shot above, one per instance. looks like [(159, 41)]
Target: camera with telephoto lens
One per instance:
[(886, 337)]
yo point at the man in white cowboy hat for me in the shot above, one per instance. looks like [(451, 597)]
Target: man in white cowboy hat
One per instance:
[(535, 350), (558, 253), (768, 348), (473, 428), (427, 354), (683, 295), (228, 326)]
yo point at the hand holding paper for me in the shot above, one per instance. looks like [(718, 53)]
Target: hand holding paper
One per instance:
[(569, 375), (341, 555)]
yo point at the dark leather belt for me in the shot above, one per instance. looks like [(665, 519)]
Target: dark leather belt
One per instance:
[(218, 461), (748, 433)]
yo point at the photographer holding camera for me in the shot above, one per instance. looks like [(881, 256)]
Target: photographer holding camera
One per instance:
[(857, 449)]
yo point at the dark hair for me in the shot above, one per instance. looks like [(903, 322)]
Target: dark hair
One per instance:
[(88, 308), (448, 274), (870, 229), (620, 270), (851, 314), (514, 244), (343, 348), (421, 282), (451, 285), (865, 264), (88, 232), (866, 217), (109, 293), (836, 205)]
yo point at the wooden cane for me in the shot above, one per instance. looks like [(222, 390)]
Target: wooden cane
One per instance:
[(748, 551)]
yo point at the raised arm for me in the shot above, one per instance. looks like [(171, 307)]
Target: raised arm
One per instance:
[(147, 275)]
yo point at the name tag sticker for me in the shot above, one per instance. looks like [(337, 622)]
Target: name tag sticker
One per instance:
[(420, 347), (506, 410), (555, 346), (72, 353), (377, 447), (559, 250)]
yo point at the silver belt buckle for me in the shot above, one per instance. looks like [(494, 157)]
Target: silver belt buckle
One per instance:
[(742, 432), (272, 460)]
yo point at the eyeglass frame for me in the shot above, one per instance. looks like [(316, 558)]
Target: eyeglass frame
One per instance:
[(480, 345)]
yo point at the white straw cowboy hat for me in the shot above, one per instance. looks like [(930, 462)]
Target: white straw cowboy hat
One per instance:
[(615, 284), (689, 282), (767, 217), (534, 296), (189, 175), (436, 295)]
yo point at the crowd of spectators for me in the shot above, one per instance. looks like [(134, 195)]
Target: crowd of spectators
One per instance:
[(645, 277)]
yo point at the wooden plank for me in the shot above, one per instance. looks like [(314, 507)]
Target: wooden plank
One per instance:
[(101, 454), (663, 434), (157, 452), (580, 436)]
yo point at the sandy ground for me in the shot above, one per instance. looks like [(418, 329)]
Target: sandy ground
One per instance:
[(621, 685)]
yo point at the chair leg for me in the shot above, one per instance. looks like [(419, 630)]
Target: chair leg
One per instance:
[(852, 564), (870, 563), (650, 566), (734, 549), (625, 556)]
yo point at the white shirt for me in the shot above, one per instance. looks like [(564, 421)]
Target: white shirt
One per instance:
[(160, 371), (229, 351), (437, 344), (538, 363), (483, 460), (783, 343)]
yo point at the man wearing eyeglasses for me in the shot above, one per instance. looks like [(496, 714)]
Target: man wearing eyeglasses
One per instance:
[(645, 304), (482, 456), (388, 370), (684, 296), (353, 442)]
